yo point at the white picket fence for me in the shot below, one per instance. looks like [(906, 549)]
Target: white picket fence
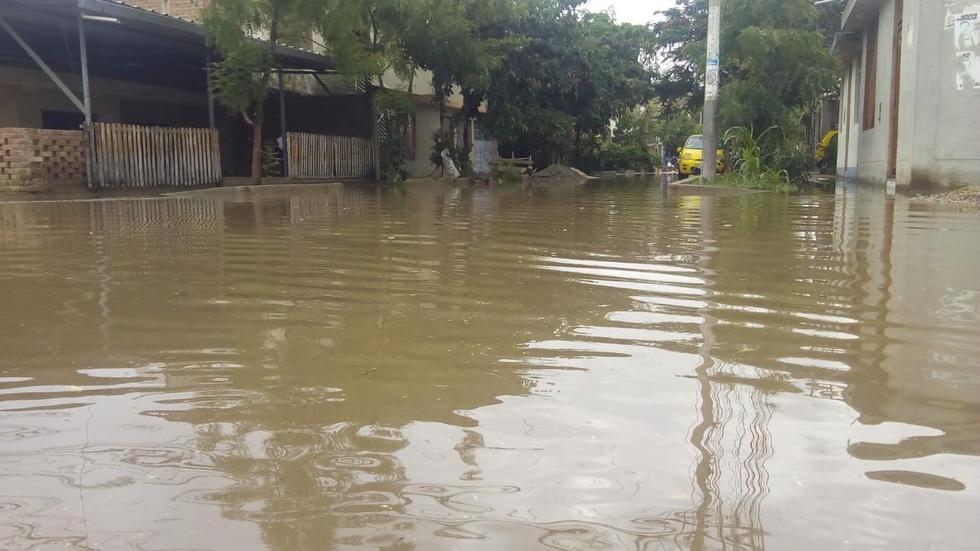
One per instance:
[(319, 156), (126, 155)]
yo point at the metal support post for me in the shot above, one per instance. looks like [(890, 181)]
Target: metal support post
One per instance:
[(87, 102), (207, 71), (282, 127)]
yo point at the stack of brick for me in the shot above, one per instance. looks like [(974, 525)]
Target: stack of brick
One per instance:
[(32, 159)]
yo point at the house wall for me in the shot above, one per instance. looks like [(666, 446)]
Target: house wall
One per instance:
[(850, 109), (873, 143), (938, 115), (187, 9), (427, 122), (26, 94), (944, 120), (421, 86)]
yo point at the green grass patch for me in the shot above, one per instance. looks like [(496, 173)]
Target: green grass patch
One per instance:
[(768, 181)]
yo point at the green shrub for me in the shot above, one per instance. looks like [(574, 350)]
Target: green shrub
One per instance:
[(625, 157), (271, 165), (507, 174), (766, 161), (794, 158), (395, 109)]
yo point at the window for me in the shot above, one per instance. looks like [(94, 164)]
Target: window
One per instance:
[(871, 76)]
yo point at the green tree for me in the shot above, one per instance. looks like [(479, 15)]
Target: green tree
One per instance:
[(462, 43), (242, 75), (459, 41), (775, 66), (678, 39), (554, 95), (365, 38)]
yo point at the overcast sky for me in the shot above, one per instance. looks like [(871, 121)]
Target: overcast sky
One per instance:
[(631, 11)]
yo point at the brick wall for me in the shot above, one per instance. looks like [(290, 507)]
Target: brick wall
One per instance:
[(35, 160), (188, 9)]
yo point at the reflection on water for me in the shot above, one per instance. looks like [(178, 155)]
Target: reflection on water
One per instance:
[(597, 367)]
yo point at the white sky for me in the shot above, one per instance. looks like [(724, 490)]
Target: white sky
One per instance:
[(631, 11)]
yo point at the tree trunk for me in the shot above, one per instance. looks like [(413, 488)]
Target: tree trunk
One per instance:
[(259, 117)]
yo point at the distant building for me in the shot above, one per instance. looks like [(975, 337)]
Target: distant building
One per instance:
[(425, 122), (910, 96), (429, 119)]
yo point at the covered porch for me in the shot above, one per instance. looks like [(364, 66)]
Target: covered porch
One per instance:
[(109, 69)]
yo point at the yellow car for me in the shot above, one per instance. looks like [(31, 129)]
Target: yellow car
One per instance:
[(690, 157)]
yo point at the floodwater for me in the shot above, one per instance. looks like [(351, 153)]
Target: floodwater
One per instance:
[(602, 366)]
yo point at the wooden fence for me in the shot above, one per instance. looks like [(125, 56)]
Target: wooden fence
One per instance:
[(318, 156), (142, 156)]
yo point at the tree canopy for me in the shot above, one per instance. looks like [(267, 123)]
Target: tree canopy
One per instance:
[(554, 94), (243, 74), (550, 75), (774, 60)]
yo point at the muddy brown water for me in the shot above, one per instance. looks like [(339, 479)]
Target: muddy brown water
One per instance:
[(602, 366)]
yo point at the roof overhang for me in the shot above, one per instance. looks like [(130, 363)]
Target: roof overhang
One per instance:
[(138, 24), (859, 13), (846, 45)]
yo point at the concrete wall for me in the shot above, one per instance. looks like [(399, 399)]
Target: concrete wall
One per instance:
[(944, 121), (939, 110), (421, 86)]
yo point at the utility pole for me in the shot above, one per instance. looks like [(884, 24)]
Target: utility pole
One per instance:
[(709, 152)]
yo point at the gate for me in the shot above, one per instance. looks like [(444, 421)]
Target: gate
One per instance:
[(319, 156), (126, 155)]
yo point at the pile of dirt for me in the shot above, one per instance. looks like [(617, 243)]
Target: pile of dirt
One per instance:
[(969, 196), (561, 171)]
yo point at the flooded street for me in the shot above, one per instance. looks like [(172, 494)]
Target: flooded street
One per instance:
[(595, 367)]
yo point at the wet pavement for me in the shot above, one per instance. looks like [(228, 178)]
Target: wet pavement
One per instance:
[(603, 366)]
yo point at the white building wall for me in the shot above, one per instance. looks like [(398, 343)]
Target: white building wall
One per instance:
[(939, 107), (873, 142), (850, 121)]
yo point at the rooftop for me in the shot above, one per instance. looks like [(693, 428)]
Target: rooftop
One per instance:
[(133, 43)]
